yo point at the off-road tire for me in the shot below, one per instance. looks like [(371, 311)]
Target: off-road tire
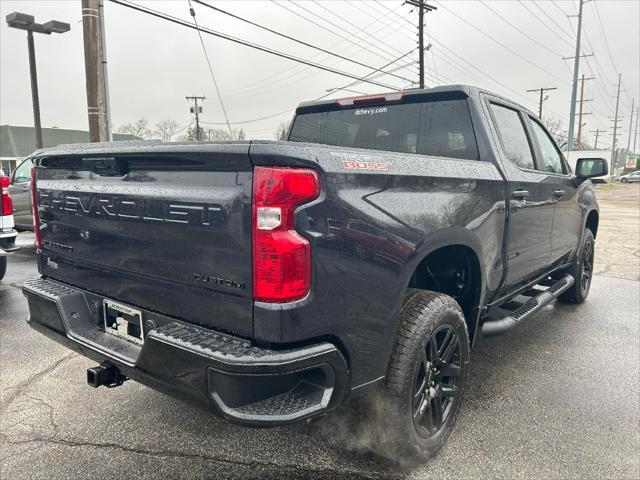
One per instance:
[(581, 267), (3, 267), (397, 437)]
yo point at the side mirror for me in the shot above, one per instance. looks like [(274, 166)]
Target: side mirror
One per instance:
[(591, 167)]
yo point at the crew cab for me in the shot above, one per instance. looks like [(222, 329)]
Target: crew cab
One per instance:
[(273, 282)]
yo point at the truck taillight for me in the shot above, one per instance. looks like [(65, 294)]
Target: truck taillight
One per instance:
[(34, 209), (281, 256), (7, 203)]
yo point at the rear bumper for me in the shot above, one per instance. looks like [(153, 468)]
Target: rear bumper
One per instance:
[(7, 242), (230, 376)]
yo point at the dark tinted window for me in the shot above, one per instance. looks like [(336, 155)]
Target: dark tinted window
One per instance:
[(513, 136), (440, 128), (551, 158)]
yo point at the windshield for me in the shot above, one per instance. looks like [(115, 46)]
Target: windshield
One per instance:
[(439, 128)]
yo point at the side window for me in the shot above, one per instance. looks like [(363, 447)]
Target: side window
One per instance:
[(551, 159), (23, 172), (513, 136), (447, 131)]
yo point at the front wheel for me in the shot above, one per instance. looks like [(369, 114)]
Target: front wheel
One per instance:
[(421, 396), (582, 270), (623, 180)]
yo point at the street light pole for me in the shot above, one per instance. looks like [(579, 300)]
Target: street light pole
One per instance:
[(35, 98), (22, 21)]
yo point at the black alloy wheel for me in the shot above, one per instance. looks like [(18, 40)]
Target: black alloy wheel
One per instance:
[(587, 266), (435, 384)]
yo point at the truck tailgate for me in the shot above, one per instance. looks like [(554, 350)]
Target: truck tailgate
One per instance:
[(170, 232)]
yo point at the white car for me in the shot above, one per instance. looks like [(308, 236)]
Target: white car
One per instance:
[(7, 233), (633, 177)]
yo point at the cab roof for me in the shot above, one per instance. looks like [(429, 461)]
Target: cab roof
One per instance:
[(404, 96)]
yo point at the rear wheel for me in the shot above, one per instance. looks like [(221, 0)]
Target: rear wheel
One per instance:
[(3, 267), (582, 271), (421, 397)]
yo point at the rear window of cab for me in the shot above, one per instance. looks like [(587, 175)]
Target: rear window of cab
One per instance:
[(440, 128)]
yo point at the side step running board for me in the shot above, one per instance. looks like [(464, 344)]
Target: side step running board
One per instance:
[(493, 328)]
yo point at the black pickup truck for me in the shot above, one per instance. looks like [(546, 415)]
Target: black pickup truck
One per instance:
[(275, 281)]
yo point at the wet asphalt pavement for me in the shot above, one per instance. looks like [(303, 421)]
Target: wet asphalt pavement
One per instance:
[(558, 398)]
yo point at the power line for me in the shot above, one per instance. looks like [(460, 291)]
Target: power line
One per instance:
[(288, 37), (340, 88), (520, 31), (292, 72), (262, 90), (253, 120), (245, 43), (551, 19), (503, 45), (453, 56), (392, 50), (328, 29), (604, 36), (363, 79), (433, 56), (213, 77), (394, 12)]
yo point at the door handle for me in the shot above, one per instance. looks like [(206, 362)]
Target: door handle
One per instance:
[(559, 194), (520, 194)]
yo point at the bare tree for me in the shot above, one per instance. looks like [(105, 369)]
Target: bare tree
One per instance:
[(139, 128), (281, 132), (166, 129), (218, 135), (554, 126)]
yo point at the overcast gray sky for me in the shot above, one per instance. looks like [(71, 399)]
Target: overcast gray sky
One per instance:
[(153, 64)]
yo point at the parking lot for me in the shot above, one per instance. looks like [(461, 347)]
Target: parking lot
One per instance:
[(558, 398)]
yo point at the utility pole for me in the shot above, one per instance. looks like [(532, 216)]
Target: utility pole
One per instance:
[(582, 100), (94, 71), (197, 110), (574, 87), (105, 75), (630, 124), (542, 97), (422, 8), (615, 129), (597, 132)]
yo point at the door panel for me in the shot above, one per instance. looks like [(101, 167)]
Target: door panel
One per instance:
[(567, 222), (531, 222), (528, 246)]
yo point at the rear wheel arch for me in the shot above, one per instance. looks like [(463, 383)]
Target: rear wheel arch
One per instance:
[(438, 267)]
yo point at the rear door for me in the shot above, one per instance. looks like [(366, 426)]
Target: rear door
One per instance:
[(20, 191), (530, 210), (567, 221)]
